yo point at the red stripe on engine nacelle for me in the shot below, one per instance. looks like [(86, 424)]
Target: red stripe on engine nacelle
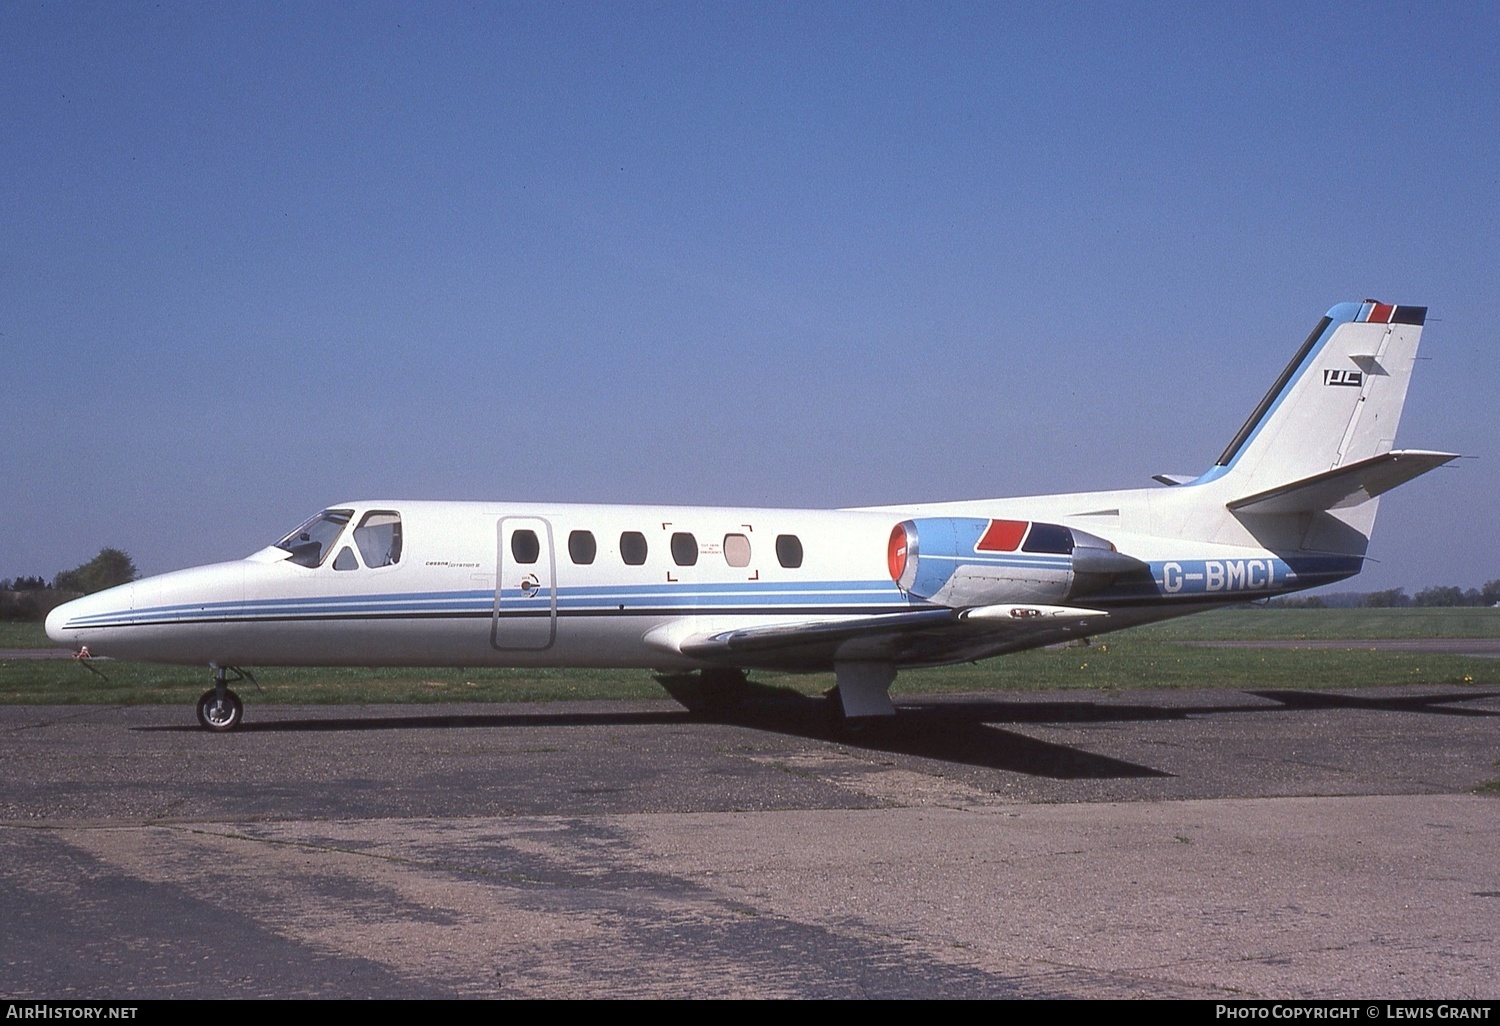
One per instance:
[(1002, 536)]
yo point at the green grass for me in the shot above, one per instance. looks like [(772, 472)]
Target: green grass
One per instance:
[(1262, 623), (64, 682), (1148, 657), (1124, 661), (23, 635)]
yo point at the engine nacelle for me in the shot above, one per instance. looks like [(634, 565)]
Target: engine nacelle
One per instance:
[(965, 561)]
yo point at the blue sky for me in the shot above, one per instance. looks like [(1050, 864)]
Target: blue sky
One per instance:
[(258, 259)]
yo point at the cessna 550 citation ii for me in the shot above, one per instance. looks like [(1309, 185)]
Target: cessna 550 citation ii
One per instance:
[(862, 592)]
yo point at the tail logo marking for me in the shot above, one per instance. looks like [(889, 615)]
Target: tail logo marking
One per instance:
[(1351, 378)]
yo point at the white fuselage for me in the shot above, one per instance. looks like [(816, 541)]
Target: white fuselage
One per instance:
[(459, 596)]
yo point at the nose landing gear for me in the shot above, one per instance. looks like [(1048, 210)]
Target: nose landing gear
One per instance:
[(220, 709), (220, 713)]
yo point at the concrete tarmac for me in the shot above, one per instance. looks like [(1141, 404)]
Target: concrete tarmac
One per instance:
[(1205, 844)]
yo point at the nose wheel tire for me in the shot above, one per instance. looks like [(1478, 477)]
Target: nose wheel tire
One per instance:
[(220, 715)]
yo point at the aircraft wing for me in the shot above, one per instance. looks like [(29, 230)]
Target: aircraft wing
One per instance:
[(914, 637), (1344, 486)]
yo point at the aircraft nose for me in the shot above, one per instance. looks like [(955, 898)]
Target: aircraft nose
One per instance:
[(69, 623), (55, 621)]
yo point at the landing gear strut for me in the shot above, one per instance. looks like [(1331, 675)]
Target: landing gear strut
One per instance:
[(220, 709), (864, 689)]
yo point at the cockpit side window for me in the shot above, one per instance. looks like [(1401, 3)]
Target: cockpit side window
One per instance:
[(379, 538), (311, 543)]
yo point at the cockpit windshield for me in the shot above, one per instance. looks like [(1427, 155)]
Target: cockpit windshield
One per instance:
[(311, 543)]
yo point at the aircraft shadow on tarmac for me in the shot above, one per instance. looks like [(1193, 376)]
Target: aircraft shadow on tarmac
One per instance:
[(949, 733), (962, 732), (1439, 704)]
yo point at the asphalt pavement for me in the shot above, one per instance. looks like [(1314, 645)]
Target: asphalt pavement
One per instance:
[(1200, 844)]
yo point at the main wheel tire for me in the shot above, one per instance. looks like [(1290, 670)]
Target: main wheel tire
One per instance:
[(220, 716)]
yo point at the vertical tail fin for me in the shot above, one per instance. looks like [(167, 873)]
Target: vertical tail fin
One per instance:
[(1305, 472), (1337, 403)]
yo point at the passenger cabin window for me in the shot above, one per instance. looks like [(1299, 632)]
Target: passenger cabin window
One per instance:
[(789, 551), (379, 538), (311, 543), (582, 548), (684, 549), (633, 548), (525, 546), (736, 550)]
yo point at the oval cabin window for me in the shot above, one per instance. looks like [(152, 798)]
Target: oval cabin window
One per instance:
[(525, 546), (789, 551), (736, 550), (582, 548), (684, 549), (633, 548)]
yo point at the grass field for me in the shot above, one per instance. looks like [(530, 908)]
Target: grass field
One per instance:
[(1153, 657)]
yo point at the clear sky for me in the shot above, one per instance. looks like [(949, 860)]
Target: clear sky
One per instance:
[(256, 259)]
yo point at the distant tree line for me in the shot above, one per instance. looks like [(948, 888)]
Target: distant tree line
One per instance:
[(1436, 597), (31, 598), (106, 570)]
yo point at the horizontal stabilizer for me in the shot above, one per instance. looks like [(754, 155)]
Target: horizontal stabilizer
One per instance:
[(1174, 479), (1344, 487)]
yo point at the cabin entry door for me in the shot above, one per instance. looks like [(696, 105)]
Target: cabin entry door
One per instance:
[(525, 617)]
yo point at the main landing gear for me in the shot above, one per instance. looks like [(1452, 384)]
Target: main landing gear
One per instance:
[(861, 695), (864, 690), (220, 709)]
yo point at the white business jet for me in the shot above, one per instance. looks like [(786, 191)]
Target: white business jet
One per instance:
[(862, 592)]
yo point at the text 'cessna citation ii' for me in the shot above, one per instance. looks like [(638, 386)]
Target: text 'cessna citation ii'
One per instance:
[(862, 592)]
